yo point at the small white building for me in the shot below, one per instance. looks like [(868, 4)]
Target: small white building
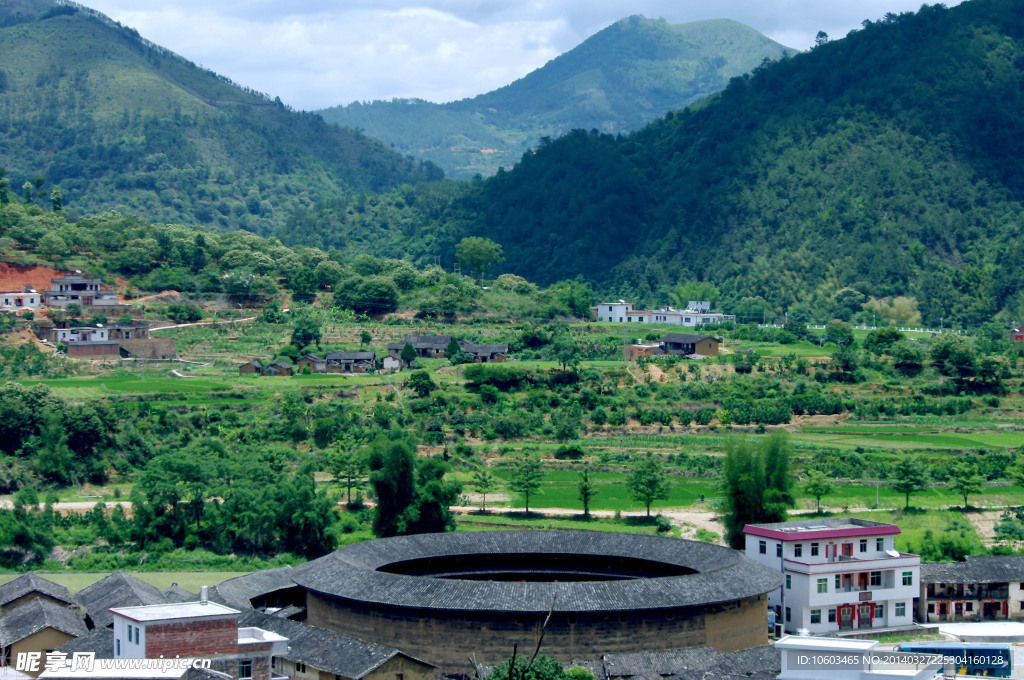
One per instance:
[(83, 334), (811, 658), (840, 573), (26, 299)]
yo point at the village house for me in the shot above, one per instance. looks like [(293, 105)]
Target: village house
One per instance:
[(426, 346), (26, 299), (350, 362), (116, 590), (1017, 334), (315, 364), (279, 367), (436, 346), (37, 626), (674, 344), (840, 574), (30, 587), (981, 588), (697, 313), (75, 288), (483, 354), (254, 367)]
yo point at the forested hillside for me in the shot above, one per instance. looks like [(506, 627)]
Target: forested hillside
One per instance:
[(118, 122), (617, 80), (885, 164)]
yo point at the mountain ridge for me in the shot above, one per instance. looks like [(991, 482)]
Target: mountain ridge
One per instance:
[(617, 80)]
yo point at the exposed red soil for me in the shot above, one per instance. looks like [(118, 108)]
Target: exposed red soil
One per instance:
[(14, 277)]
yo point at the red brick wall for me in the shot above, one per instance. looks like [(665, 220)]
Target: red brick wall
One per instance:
[(192, 638)]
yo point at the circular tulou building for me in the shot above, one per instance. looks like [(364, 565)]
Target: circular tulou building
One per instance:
[(447, 597)]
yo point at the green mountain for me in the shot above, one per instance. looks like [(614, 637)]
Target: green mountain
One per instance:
[(885, 165), (617, 80), (887, 162), (118, 122)]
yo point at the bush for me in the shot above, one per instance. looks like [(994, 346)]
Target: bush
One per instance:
[(182, 312)]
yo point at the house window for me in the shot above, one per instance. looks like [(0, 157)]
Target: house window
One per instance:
[(876, 578), (863, 545), (778, 549), (970, 606), (789, 581), (789, 616), (117, 647), (908, 578), (814, 549), (798, 550), (839, 581), (879, 544), (762, 547), (879, 611), (848, 549), (901, 609), (815, 616), (822, 585), (245, 669), (931, 607), (831, 615)]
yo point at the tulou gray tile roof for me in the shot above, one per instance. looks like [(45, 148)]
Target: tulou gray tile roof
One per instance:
[(99, 641), (325, 650), (976, 569), (355, 573), (238, 592), (35, 615), (27, 583), (693, 663), (117, 590)]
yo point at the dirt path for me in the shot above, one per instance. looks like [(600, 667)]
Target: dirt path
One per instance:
[(203, 323), (74, 507)]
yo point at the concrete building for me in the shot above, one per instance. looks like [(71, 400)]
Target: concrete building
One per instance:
[(697, 313), (28, 298), (840, 574), (88, 292), (981, 588)]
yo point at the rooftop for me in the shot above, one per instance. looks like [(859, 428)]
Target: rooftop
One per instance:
[(35, 615), (976, 569), (821, 528), (27, 583), (357, 572), (117, 590), (175, 610)]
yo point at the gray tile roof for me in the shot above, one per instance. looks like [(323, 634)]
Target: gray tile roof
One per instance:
[(325, 650), (976, 569), (351, 356), (684, 338), (99, 641), (176, 593), (428, 341), (32, 617), (117, 590), (483, 350), (693, 663), (238, 592), (27, 583), (722, 574)]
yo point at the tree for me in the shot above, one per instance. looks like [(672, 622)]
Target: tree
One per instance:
[(394, 483), (818, 485), (566, 351), (839, 332), (365, 338), (408, 354), (966, 481), (478, 254), (953, 354), (756, 484), (420, 382), (527, 474), (587, 490), (53, 246), (348, 466), (306, 332), (910, 476), (648, 481), (483, 482), (907, 357), (882, 340), (57, 200)]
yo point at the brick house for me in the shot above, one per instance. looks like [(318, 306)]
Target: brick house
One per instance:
[(674, 344), (484, 353), (426, 346), (200, 629), (1017, 334), (315, 364), (279, 368), (254, 367), (350, 362)]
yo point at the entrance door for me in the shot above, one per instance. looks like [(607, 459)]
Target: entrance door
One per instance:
[(845, 617), (958, 611), (864, 616)]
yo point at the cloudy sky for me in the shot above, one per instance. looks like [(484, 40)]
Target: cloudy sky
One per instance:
[(319, 53)]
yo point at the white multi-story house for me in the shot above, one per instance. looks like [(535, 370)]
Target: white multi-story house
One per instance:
[(840, 573), (697, 313)]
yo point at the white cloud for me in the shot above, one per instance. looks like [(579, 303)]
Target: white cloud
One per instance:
[(318, 53)]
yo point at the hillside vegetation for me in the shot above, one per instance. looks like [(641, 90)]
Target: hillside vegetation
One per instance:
[(886, 164), (118, 122), (617, 80)]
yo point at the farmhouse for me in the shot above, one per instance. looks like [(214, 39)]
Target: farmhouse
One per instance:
[(37, 626), (981, 588), (840, 574), (350, 362), (30, 587), (26, 299), (71, 288), (482, 354), (427, 346), (436, 346), (675, 344), (254, 367), (697, 313)]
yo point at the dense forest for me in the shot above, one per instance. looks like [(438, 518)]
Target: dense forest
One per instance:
[(617, 80), (118, 122)]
